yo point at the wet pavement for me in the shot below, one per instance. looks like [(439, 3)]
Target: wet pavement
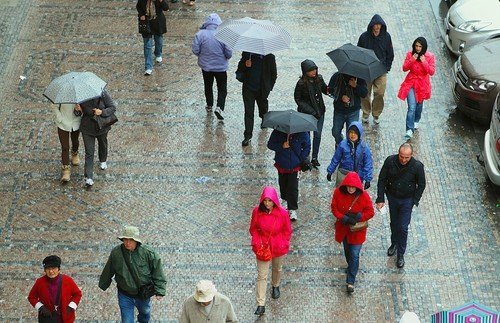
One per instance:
[(185, 180)]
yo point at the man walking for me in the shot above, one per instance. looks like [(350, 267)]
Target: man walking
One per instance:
[(402, 179), (138, 274), (377, 38)]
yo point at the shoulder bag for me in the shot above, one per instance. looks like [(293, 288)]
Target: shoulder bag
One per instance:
[(359, 225), (103, 122), (143, 291), (264, 252), (144, 26)]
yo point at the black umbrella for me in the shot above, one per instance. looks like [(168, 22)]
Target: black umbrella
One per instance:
[(357, 61), (290, 121)]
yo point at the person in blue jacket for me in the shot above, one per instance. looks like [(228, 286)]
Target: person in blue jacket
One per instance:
[(353, 154), (291, 151)]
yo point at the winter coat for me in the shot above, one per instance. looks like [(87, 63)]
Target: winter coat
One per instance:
[(360, 91), (381, 44), (419, 77), (146, 263), (89, 124), (342, 200), (158, 25), (213, 55), (268, 73), (289, 158), (70, 294), (355, 157), (222, 311), (273, 228), (308, 91), (65, 117)]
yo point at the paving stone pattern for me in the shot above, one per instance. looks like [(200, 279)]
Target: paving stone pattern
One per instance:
[(185, 180)]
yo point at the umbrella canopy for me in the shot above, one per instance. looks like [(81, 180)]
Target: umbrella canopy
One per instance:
[(290, 121), (357, 61), (252, 35), (74, 87), (472, 312)]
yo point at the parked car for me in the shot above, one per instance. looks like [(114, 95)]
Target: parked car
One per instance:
[(491, 153), (477, 80), (470, 22)]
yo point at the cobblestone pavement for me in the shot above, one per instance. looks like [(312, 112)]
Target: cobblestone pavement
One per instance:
[(185, 180)]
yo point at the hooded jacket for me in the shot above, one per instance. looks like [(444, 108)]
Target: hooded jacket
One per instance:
[(381, 44), (158, 25), (420, 72), (213, 55), (308, 91), (339, 83), (273, 228), (289, 158), (342, 200), (355, 157)]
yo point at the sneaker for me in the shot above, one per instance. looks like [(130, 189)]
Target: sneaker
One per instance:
[(376, 120), (148, 72), (184, 1), (208, 108), (191, 3), (218, 113), (350, 288), (365, 120), (159, 59), (416, 125), (245, 142), (293, 215), (89, 182), (103, 166), (409, 134)]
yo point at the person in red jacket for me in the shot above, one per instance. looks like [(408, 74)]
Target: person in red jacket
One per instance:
[(270, 226), (350, 205), (55, 295)]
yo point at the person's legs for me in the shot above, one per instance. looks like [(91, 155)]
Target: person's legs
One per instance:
[(406, 206), (395, 218), (102, 140), (410, 114), (418, 111), (249, 103), (144, 308), (89, 143), (366, 102), (379, 85), (262, 103), (75, 143), (148, 48), (221, 79), (317, 137), (126, 304), (262, 273), (338, 123), (158, 45), (277, 269), (292, 191), (208, 82), (64, 140), (282, 181), (353, 263)]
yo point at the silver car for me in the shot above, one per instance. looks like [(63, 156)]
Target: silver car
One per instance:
[(470, 22), (492, 145)]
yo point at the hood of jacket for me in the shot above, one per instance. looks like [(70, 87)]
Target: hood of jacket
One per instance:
[(308, 65), (359, 127), (376, 19), (211, 21), (352, 179), (270, 193)]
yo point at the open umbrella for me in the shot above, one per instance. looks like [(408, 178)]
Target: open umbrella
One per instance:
[(74, 87), (253, 35), (290, 121), (472, 312), (357, 61)]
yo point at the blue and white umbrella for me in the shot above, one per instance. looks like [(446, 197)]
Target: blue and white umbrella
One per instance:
[(74, 87), (253, 35)]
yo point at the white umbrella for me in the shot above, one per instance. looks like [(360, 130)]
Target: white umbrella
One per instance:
[(253, 35), (74, 87)]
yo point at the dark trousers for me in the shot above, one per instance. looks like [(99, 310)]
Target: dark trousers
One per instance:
[(400, 214), (249, 99), (89, 142), (221, 80), (64, 140), (289, 189)]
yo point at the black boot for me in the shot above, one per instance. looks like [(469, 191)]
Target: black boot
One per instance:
[(400, 262), (275, 292), (260, 310), (392, 250), (315, 163)]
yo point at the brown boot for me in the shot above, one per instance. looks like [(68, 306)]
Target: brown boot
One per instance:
[(75, 159), (66, 173)]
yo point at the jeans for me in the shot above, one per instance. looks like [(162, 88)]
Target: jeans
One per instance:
[(208, 81), (289, 189), (414, 110), (351, 252), (64, 140), (89, 143), (400, 214), (317, 137), (249, 99), (127, 305), (339, 119), (148, 47)]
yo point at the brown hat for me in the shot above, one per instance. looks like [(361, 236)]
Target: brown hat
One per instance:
[(130, 232)]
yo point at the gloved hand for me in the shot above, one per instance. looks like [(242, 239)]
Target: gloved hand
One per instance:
[(44, 311), (351, 220), (329, 177), (345, 219), (355, 216), (69, 310), (367, 185)]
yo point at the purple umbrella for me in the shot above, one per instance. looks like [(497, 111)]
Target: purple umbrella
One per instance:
[(472, 312)]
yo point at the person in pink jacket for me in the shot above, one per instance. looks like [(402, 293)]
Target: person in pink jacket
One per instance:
[(416, 86), (270, 226)]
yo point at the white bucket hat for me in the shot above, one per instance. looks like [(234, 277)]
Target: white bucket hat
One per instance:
[(409, 317), (130, 232), (205, 291)]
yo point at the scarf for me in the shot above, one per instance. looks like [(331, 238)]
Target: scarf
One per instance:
[(151, 9)]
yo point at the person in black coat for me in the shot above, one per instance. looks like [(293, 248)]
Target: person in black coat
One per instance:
[(152, 10), (258, 74)]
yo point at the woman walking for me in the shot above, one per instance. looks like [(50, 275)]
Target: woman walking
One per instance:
[(68, 120), (351, 206), (416, 86), (271, 233)]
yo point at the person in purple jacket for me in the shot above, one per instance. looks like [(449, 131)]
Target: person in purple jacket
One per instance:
[(213, 59)]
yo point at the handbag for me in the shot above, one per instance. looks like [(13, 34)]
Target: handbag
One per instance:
[(144, 291), (359, 225), (264, 252), (341, 174), (144, 26), (103, 122)]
